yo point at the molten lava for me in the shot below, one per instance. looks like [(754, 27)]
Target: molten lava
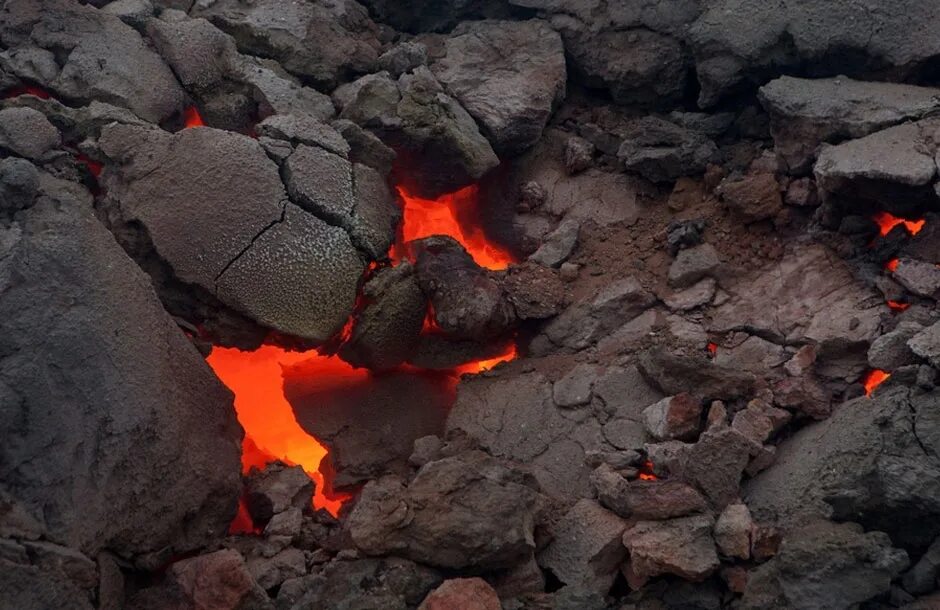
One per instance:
[(27, 90), (646, 472), (712, 349), (887, 221), (456, 215), (873, 379), (192, 118), (898, 306), (892, 265)]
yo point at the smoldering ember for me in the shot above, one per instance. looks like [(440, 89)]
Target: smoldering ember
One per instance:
[(469, 305)]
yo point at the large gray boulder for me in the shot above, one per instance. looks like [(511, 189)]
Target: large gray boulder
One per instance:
[(103, 58), (738, 43), (119, 436), (324, 42), (509, 75), (804, 112), (246, 244), (661, 151)]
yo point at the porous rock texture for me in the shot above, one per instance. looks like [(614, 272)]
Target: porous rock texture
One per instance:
[(141, 449)]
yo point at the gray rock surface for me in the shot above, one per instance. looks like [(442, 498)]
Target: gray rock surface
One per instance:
[(683, 547), (733, 531), (647, 500), (926, 344), (142, 449), (509, 75), (805, 113), (675, 373), (27, 133), (919, 277), (436, 518), (661, 151), (825, 565), (890, 351), (27, 587), (692, 265), (104, 59), (403, 57), (674, 418), (753, 196)]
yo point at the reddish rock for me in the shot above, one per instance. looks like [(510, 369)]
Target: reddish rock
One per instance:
[(733, 531), (675, 417), (765, 542), (683, 547), (735, 577), (462, 594)]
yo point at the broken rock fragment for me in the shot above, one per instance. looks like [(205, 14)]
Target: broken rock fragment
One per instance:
[(647, 500), (661, 151), (27, 133), (683, 547), (675, 417), (463, 593), (693, 264)]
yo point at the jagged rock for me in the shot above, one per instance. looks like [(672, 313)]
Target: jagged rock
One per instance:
[(27, 587), (759, 420), (648, 500), (467, 301), (922, 577), (365, 148), (574, 388), (386, 332), (464, 593), (881, 168), (270, 572), (579, 155), (809, 296), (696, 295), (276, 489), (134, 13), (714, 465), (919, 277), (661, 151), (739, 44), (509, 75), (403, 57), (200, 54), (674, 418), (436, 518), (27, 133), (54, 558), (325, 43), (802, 193), (587, 547), (825, 565), (438, 352), (805, 394), (369, 423), (693, 264), (154, 458), (216, 580), (675, 373), (559, 244), (534, 291), (352, 196), (102, 57), (440, 146), (926, 344), (880, 474), (681, 234), (752, 354), (805, 113), (733, 531), (890, 351), (752, 196), (433, 15), (386, 583), (304, 129), (287, 523), (683, 547), (19, 184), (259, 254)]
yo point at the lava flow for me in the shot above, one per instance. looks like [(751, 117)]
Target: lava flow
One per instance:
[(257, 377), (192, 118), (887, 221), (873, 379)]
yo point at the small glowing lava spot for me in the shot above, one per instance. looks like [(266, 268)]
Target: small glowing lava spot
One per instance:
[(93, 166), (892, 265), (873, 379), (27, 90), (898, 306), (192, 118), (242, 523), (646, 472), (712, 349), (887, 221)]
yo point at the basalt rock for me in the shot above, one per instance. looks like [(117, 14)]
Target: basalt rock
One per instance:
[(675, 373), (509, 75), (647, 500), (103, 58), (468, 302), (435, 519), (433, 15), (140, 463), (683, 547), (661, 151), (27, 133)]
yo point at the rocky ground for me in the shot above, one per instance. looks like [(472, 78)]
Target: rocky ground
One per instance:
[(726, 221)]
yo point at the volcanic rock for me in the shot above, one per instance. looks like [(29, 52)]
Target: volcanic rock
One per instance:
[(463, 593), (438, 352), (436, 518), (134, 13), (559, 244), (825, 565), (682, 234), (403, 57), (715, 463), (323, 42), (700, 293), (433, 15), (738, 44), (259, 254), (676, 373), (102, 57), (805, 113), (27, 587), (683, 547), (926, 344), (587, 547), (201, 55), (579, 155), (364, 147), (661, 151), (693, 264), (890, 351), (467, 301), (19, 184), (752, 196), (759, 420), (304, 129), (733, 531), (509, 75), (574, 388), (176, 444), (919, 277), (27, 133), (270, 572), (386, 332), (874, 461), (922, 577), (647, 500), (390, 582), (809, 296), (534, 291), (674, 417), (275, 489)]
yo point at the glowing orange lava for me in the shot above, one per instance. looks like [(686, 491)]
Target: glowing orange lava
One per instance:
[(873, 379), (887, 221), (898, 306), (712, 349), (192, 118), (455, 215), (892, 265), (27, 90), (646, 472)]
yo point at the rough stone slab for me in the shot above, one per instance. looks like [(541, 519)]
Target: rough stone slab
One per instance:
[(683, 547)]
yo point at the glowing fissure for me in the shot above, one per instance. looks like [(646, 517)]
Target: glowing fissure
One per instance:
[(887, 221), (874, 378), (257, 377)]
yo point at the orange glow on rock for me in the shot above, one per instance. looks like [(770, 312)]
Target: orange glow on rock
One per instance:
[(646, 472), (898, 305), (27, 90), (242, 523), (192, 118), (873, 379), (887, 221), (456, 215), (892, 265), (712, 349)]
